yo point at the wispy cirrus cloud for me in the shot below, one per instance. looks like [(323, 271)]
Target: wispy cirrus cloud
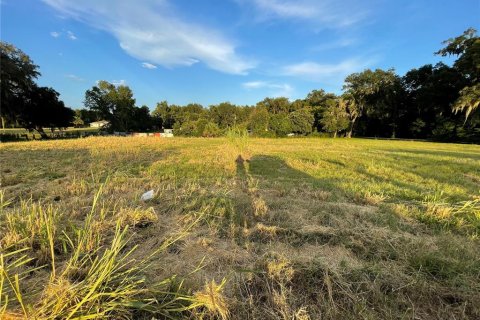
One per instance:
[(337, 44), (74, 77), (69, 34), (273, 89), (148, 65), (119, 82), (114, 82), (149, 30), (332, 73), (326, 13)]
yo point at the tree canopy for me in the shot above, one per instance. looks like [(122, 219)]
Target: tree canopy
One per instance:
[(438, 102), (467, 49), (24, 103)]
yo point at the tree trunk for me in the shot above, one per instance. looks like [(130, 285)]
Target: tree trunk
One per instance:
[(41, 132), (335, 134), (349, 134)]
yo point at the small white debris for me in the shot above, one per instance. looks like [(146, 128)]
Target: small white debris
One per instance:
[(147, 195)]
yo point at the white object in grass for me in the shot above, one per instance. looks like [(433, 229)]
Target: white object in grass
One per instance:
[(147, 195)]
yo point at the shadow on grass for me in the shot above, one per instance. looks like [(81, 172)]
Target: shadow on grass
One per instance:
[(439, 170), (272, 169), (438, 153)]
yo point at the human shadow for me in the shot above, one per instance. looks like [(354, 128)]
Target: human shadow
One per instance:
[(274, 168)]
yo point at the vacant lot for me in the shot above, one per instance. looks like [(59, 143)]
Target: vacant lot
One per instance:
[(240, 228)]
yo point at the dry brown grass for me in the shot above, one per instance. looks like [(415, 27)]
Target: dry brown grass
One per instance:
[(305, 229)]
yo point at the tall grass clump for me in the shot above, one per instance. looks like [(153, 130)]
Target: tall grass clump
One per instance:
[(239, 139), (464, 216), (95, 276)]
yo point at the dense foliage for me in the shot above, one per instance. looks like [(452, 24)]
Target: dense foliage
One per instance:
[(437, 102), (24, 103)]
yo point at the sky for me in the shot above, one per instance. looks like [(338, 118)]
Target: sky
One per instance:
[(211, 51)]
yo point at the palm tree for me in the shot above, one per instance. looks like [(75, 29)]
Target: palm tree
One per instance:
[(468, 101)]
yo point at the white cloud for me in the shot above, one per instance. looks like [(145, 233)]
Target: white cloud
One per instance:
[(71, 36), (148, 30), (148, 65), (340, 43), (286, 8), (119, 82), (114, 82), (329, 73), (325, 13), (74, 77), (254, 84), (274, 89)]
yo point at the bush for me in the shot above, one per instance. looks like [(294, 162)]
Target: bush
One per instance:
[(280, 124), (211, 130), (301, 121)]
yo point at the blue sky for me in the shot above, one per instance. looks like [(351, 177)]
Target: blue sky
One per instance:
[(242, 51)]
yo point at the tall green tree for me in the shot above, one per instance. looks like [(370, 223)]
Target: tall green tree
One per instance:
[(335, 117), (317, 100), (467, 49), (142, 121), (24, 103), (301, 121), (162, 115), (280, 124), (275, 105), (77, 120), (431, 91), (259, 121), (352, 109), (468, 101), (363, 87), (87, 115), (17, 80), (225, 114), (46, 110), (113, 103)]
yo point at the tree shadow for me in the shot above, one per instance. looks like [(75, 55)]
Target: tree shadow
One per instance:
[(423, 164), (274, 173), (437, 153)]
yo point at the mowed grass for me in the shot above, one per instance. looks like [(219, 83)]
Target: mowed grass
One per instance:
[(240, 228)]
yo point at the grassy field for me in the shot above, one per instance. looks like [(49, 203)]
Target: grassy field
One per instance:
[(240, 228)]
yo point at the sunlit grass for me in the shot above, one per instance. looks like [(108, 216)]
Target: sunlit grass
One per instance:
[(276, 228)]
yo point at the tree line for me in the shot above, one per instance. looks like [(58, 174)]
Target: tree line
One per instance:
[(437, 102), (24, 103)]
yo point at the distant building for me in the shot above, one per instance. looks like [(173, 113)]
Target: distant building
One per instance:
[(167, 133), (99, 124)]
